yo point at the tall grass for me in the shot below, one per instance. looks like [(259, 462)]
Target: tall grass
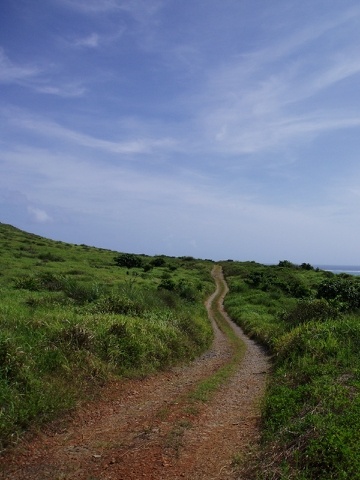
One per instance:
[(311, 413), (70, 319)]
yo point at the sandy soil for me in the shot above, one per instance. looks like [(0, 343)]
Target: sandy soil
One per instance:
[(148, 428)]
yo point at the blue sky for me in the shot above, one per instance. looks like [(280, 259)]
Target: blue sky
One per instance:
[(217, 129)]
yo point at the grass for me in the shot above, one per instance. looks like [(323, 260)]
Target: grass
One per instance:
[(174, 439), (311, 412), (70, 319)]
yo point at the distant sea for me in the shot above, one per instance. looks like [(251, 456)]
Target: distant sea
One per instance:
[(350, 269)]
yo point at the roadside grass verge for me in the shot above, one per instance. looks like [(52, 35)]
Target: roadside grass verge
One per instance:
[(311, 412)]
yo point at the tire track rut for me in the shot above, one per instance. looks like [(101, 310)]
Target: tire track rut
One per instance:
[(148, 428)]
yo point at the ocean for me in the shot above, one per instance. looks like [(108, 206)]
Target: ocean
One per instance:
[(350, 269)]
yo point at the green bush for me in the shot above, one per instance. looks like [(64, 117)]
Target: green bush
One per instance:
[(344, 291), (158, 262), (50, 257), (309, 310), (128, 260), (118, 304)]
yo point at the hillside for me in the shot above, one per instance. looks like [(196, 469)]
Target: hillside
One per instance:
[(309, 320), (73, 316)]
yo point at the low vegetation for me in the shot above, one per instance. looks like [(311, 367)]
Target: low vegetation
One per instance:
[(309, 320), (73, 317)]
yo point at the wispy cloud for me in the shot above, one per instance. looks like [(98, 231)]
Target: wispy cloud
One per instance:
[(137, 8), (35, 78), (96, 40), (238, 136), (11, 72), (108, 185), (91, 6), (300, 38), (253, 103), (50, 129), (112, 193), (39, 215), (65, 90), (343, 65), (91, 41)]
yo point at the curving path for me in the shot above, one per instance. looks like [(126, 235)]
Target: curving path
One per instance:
[(149, 428)]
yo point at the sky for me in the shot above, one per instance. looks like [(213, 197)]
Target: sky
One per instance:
[(220, 129)]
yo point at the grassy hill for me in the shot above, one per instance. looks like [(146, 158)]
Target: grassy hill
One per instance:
[(309, 320), (73, 316)]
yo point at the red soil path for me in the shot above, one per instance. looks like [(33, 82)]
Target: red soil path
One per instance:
[(148, 428)]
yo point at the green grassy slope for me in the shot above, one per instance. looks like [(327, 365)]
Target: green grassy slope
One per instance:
[(310, 322), (71, 318)]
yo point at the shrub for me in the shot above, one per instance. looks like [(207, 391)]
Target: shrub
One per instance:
[(307, 310), (306, 266), (158, 262), (128, 260), (286, 264), (167, 284), (343, 290), (50, 257), (118, 304)]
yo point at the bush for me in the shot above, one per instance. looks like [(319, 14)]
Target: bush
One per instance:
[(343, 290), (308, 310), (118, 304), (128, 260), (50, 257), (158, 262), (167, 284)]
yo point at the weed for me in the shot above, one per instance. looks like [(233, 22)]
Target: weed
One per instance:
[(174, 439)]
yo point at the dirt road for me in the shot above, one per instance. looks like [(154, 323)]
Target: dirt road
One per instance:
[(152, 428)]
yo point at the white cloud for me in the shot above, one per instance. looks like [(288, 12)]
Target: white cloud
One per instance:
[(54, 130), (35, 79), (11, 72), (137, 8), (39, 215), (300, 38), (342, 66), (91, 41), (91, 6), (66, 90), (246, 108)]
